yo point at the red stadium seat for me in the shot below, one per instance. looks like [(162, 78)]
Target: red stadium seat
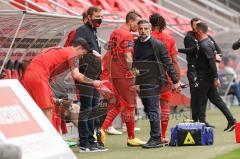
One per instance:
[(23, 2), (122, 6), (62, 11), (63, 3), (78, 9), (46, 6), (17, 5), (113, 6), (106, 6), (74, 3)]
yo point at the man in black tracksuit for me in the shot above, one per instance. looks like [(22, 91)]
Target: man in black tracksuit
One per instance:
[(191, 51), (151, 57), (207, 78)]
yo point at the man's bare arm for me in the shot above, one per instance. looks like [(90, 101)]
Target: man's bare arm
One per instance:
[(80, 77), (176, 66), (129, 60)]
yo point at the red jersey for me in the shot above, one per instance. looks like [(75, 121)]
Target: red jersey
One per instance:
[(121, 42), (70, 38), (105, 69), (53, 61), (168, 42)]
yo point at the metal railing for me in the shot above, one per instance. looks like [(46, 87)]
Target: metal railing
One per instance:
[(27, 2), (14, 4), (231, 3), (217, 26), (217, 8)]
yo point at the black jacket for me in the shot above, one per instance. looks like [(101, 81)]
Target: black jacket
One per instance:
[(191, 45), (90, 35), (191, 42), (163, 61), (89, 64)]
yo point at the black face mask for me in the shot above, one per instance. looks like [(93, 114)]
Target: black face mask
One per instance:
[(96, 22)]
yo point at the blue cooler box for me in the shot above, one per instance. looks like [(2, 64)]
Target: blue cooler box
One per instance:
[(191, 134)]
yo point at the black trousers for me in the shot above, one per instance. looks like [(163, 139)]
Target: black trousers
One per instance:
[(207, 89), (149, 95), (87, 122), (193, 83), (194, 105)]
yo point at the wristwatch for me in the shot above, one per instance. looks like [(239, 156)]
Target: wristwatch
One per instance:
[(59, 102)]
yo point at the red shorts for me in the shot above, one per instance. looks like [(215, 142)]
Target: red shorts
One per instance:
[(39, 89), (166, 93), (123, 89)]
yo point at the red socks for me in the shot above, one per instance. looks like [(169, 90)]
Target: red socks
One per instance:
[(165, 115), (111, 115), (128, 119), (127, 116)]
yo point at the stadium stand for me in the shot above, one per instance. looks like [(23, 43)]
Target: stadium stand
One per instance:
[(176, 24), (111, 6)]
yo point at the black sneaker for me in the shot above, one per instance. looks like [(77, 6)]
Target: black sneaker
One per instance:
[(209, 125), (89, 148), (231, 126), (101, 147), (84, 149), (152, 144)]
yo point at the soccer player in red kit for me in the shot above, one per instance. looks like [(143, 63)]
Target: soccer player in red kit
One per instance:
[(120, 65), (112, 102), (158, 25), (50, 63)]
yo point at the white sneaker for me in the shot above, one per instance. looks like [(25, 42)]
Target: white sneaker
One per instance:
[(124, 129), (137, 129), (112, 131)]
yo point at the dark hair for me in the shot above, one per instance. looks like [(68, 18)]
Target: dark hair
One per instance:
[(80, 42), (194, 20), (132, 15), (93, 9), (84, 15), (236, 45), (202, 26), (143, 21), (157, 21)]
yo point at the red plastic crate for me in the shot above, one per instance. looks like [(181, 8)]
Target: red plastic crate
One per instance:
[(237, 132)]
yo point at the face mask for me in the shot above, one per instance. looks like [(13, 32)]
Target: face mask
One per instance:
[(96, 22)]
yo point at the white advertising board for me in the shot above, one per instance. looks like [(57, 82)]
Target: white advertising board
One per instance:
[(22, 123)]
